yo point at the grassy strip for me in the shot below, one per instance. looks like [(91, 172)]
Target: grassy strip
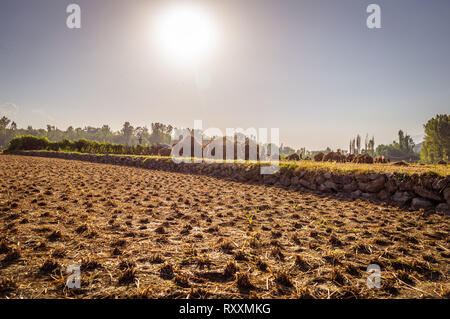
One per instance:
[(345, 168)]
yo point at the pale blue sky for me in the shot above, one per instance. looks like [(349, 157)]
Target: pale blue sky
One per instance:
[(311, 68)]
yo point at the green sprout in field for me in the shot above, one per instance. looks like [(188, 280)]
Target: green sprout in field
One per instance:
[(250, 219), (250, 222)]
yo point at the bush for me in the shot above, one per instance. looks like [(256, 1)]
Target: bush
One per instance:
[(81, 145), (66, 145), (33, 143), (28, 142), (53, 146)]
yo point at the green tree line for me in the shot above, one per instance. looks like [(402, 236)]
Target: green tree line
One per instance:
[(29, 142), (128, 135)]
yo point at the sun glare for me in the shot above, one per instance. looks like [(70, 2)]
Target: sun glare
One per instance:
[(185, 34)]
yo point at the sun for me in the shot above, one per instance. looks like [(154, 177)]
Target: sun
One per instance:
[(185, 34)]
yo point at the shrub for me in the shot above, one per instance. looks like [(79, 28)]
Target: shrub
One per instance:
[(81, 145), (66, 145), (53, 146), (28, 142), (33, 143)]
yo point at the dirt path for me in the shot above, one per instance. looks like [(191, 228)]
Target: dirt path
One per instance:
[(142, 233)]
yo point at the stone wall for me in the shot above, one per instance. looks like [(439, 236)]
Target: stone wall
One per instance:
[(427, 191)]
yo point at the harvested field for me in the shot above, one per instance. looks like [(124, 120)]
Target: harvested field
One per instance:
[(138, 233)]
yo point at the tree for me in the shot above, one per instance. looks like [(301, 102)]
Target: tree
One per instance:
[(401, 137), (401, 150), (4, 122), (142, 134), (70, 133), (371, 147), (127, 132), (4, 138), (358, 144), (105, 133), (286, 150), (161, 133), (436, 145), (30, 130), (366, 143)]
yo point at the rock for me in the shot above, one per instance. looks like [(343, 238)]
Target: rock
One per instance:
[(294, 180), (383, 194), (425, 193), (373, 186), (376, 185), (331, 185), (307, 184), (406, 185), (350, 187), (356, 193), (375, 176), (367, 195), (446, 194), (418, 203), (363, 186), (345, 179), (267, 179), (340, 179), (439, 184), (328, 186), (425, 182), (320, 179), (391, 186), (362, 178), (401, 197), (300, 174), (285, 180), (327, 175), (443, 208)]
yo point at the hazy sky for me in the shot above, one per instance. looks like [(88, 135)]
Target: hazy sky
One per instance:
[(311, 68)]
